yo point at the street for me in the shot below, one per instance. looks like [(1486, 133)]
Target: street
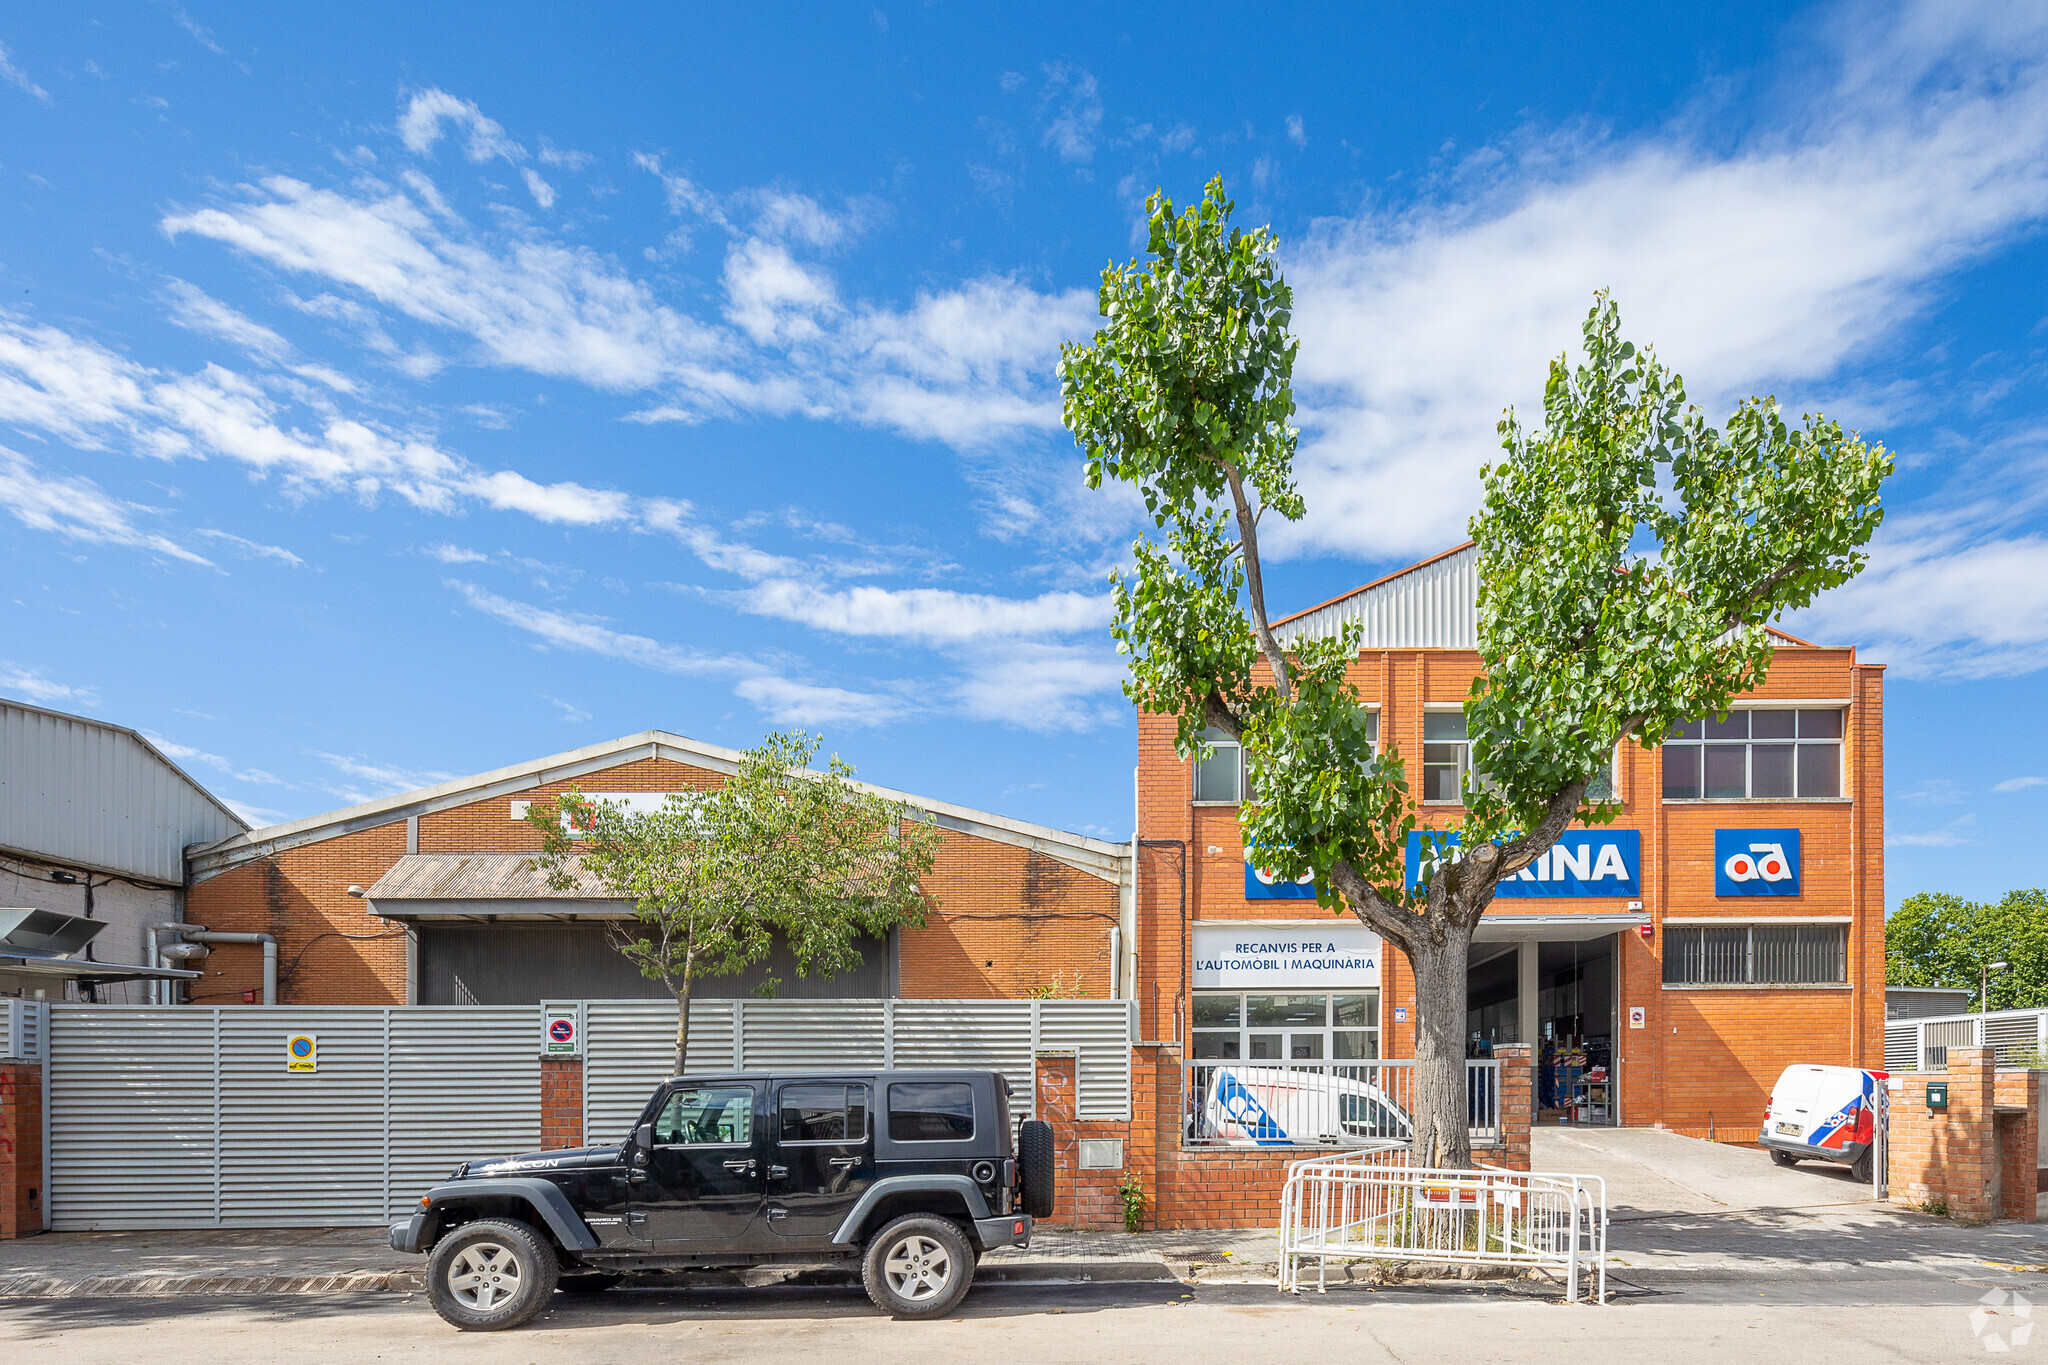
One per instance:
[(1929, 1320)]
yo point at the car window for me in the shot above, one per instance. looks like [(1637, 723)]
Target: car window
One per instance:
[(709, 1115), (931, 1111), (824, 1113)]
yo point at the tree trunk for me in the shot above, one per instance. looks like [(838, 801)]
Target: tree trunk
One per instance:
[(1443, 1134), (683, 1029)]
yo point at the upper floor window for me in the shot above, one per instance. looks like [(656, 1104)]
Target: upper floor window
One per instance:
[(1219, 778), (1756, 954), (1755, 754)]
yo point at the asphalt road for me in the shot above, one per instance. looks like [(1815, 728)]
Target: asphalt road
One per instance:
[(1164, 1322)]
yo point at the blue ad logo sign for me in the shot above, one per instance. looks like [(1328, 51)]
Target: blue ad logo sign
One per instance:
[(1756, 862), (1582, 862), (1263, 884)]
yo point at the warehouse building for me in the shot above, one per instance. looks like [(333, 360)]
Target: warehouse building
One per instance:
[(430, 897), (1665, 967), (94, 822)]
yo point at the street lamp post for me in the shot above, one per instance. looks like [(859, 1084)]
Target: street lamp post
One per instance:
[(1984, 985)]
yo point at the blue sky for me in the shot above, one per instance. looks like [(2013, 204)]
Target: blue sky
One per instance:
[(395, 393)]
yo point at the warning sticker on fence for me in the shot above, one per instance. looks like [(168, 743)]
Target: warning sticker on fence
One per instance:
[(1450, 1194), (302, 1052)]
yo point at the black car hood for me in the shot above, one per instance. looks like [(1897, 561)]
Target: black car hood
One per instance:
[(540, 1163)]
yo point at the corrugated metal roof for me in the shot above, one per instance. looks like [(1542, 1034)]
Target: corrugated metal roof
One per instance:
[(1431, 605), (87, 794), (478, 876), (1096, 857)]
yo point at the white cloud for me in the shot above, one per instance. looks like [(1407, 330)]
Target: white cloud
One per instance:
[(925, 615), (31, 685), (1073, 112), (562, 503), (18, 78), (571, 713), (187, 755), (419, 127), (252, 548), (1770, 263), (198, 311), (2020, 784), (382, 779), (551, 155), (455, 554), (785, 702), (543, 193), (1044, 687), (1295, 133), (771, 297), (77, 509)]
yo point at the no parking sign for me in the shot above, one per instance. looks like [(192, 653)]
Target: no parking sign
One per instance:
[(302, 1052), (561, 1031)]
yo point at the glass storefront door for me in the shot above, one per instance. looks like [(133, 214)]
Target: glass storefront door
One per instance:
[(1299, 1028)]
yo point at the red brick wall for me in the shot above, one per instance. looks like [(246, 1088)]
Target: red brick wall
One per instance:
[(21, 1150), (561, 1102), (1950, 1157), (1704, 1056), (1007, 919), (2018, 1097)]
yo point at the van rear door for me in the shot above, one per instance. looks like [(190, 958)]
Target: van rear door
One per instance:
[(1795, 1100)]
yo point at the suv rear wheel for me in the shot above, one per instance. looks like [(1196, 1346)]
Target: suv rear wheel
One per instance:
[(919, 1266), (490, 1275)]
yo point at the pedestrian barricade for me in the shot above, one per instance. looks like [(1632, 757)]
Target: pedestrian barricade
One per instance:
[(1372, 1205)]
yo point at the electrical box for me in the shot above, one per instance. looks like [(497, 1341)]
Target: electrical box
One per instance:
[(1937, 1095)]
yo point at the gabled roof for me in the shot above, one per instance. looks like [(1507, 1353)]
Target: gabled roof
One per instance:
[(1433, 604), (1096, 857)]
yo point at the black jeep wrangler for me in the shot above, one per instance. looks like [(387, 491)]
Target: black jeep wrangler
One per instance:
[(912, 1171)]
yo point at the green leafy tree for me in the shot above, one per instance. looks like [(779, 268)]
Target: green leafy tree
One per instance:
[(1629, 556), (1935, 939), (716, 876)]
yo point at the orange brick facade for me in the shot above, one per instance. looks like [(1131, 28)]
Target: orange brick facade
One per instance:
[(1704, 1058), (21, 1150), (1005, 919)]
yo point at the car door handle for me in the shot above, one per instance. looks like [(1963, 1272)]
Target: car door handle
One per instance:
[(637, 1178), (844, 1163), (777, 1172), (742, 1167), (774, 1214)]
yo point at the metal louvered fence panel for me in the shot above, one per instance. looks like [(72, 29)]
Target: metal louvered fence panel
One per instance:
[(786, 1035), (134, 1130), (1901, 1047), (984, 1035), (464, 1083), (301, 1149), (24, 1029), (1100, 1032), (629, 1047)]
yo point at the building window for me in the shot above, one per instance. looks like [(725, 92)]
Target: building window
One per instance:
[(1756, 954), (1755, 755), (1446, 756), (1219, 778), (1288, 1028)]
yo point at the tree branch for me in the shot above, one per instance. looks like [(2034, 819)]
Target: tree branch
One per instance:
[(1375, 911), (1248, 535)]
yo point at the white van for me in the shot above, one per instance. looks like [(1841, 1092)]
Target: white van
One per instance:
[(1823, 1113), (1262, 1106)]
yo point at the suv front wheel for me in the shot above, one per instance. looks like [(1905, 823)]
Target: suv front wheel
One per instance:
[(490, 1275), (919, 1266)]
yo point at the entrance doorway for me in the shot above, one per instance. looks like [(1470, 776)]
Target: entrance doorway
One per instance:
[(1558, 995)]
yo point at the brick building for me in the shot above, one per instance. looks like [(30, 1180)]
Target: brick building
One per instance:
[(426, 898), (1665, 968)]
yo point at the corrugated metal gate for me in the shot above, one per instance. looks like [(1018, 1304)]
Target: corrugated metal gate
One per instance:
[(630, 1045), (188, 1117)]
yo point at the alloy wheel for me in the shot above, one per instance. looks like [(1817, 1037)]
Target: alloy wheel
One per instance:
[(484, 1275), (918, 1268)]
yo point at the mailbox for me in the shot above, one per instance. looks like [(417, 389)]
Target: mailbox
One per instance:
[(1937, 1095)]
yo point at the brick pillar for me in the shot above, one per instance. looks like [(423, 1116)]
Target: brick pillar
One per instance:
[(1517, 1103), (1971, 1135), (561, 1102), (1141, 1147), (21, 1149), (1055, 1092), (2019, 1137)]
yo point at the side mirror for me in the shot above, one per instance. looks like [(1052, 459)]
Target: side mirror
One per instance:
[(643, 1142)]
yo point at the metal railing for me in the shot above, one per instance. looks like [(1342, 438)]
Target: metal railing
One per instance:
[(1320, 1104), (1923, 1044), (1369, 1205)]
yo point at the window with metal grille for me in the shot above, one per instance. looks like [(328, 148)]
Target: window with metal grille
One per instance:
[(1756, 954), (1755, 754)]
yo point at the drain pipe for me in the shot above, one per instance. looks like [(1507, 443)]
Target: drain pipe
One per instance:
[(164, 992), (269, 943)]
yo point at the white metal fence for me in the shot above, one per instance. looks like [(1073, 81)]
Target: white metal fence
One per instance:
[(1923, 1044), (24, 1024), (1320, 1104), (1371, 1205), (630, 1045), (189, 1116)]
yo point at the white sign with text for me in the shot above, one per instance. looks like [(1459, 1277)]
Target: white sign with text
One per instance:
[(1253, 957)]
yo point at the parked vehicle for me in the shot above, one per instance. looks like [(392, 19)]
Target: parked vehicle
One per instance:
[(1823, 1113), (912, 1172), (1262, 1106)]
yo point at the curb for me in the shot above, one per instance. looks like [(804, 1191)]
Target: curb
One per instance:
[(413, 1281)]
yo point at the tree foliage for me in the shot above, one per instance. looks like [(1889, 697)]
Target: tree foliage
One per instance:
[(1935, 939), (1629, 556), (715, 877)]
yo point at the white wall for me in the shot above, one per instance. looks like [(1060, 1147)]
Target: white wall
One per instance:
[(127, 909)]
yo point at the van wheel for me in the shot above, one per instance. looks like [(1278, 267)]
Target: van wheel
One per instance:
[(919, 1266), (1779, 1158), (490, 1275), (1859, 1169), (1035, 1166)]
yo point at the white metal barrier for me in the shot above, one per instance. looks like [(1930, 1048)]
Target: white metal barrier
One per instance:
[(1371, 1205)]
